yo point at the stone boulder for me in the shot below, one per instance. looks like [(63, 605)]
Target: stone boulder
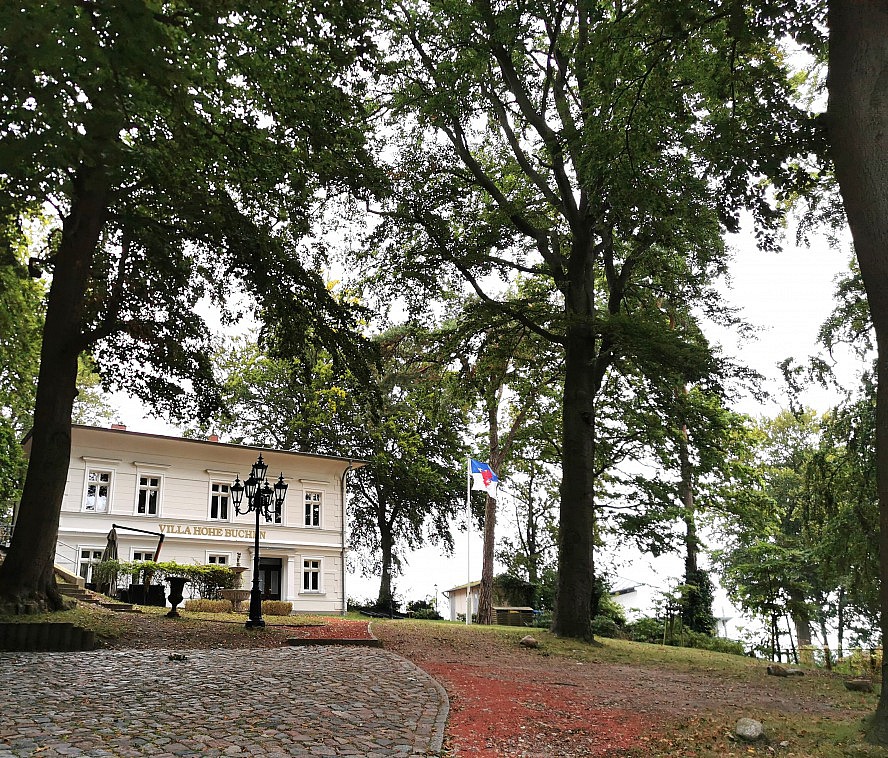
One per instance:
[(529, 641), (749, 730)]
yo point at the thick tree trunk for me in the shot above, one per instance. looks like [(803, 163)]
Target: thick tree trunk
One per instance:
[(574, 596), (485, 598), (802, 630), (686, 493), (827, 654), (485, 591), (385, 600), (27, 582), (531, 539), (840, 625), (858, 135), (800, 621)]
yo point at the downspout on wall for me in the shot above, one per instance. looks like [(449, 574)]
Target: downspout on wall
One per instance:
[(344, 610)]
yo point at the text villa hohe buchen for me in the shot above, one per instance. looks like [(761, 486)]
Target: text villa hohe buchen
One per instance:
[(209, 531)]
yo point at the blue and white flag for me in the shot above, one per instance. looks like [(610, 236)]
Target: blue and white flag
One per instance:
[(483, 477)]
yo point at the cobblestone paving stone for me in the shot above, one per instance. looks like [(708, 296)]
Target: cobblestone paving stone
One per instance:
[(299, 701)]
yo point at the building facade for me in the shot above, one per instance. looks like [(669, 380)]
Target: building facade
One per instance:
[(459, 597), (181, 488)]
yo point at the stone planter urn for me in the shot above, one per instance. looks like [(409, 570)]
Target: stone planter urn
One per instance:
[(177, 584)]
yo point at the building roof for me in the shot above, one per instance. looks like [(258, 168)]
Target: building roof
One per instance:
[(463, 586), (123, 432)]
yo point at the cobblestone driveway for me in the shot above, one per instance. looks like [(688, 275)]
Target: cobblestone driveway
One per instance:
[(301, 701)]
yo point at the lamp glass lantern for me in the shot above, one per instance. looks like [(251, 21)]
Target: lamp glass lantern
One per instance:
[(265, 500)]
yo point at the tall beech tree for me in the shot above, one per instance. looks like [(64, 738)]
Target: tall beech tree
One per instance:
[(21, 319), (407, 422), (415, 481), (768, 557), (503, 370), (184, 147), (857, 126), (602, 145)]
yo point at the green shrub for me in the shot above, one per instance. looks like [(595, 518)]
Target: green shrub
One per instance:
[(276, 608), (208, 606), (206, 581), (651, 630), (646, 630), (427, 613), (603, 626), (423, 609), (514, 591), (716, 644), (610, 608), (542, 620)]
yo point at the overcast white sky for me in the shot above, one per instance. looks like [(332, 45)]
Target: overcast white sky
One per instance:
[(787, 295)]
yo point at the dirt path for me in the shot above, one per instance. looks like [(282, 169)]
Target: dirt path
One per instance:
[(507, 700)]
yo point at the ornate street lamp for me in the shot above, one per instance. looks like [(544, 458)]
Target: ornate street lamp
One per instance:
[(267, 500)]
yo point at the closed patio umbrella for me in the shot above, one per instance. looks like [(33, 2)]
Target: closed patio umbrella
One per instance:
[(110, 554)]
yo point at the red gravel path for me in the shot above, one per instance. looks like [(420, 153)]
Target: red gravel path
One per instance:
[(332, 629), (509, 702), (491, 717)]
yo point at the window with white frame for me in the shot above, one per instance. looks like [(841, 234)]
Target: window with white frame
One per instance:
[(311, 575), (313, 500), (97, 498), (148, 496), (143, 555), (89, 558), (218, 559), (220, 498)]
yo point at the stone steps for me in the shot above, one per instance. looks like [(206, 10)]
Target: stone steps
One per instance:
[(69, 589), (120, 607)]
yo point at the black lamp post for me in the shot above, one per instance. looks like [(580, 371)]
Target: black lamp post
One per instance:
[(264, 499)]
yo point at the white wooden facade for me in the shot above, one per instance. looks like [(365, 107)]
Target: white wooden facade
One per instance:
[(180, 488), (457, 596)]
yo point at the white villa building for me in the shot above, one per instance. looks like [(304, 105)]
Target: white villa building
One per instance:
[(181, 488)]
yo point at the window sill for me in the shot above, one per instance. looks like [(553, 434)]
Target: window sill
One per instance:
[(312, 592)]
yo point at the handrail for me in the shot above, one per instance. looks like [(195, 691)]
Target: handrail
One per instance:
[(63, 561)]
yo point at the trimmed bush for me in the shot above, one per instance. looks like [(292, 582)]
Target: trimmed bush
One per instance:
[(208, 606), (276, 608), (206, 580)]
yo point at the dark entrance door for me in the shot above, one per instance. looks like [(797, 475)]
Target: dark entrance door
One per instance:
[(270, 578)]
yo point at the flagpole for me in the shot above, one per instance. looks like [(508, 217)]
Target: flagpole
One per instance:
[(468, 540)]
